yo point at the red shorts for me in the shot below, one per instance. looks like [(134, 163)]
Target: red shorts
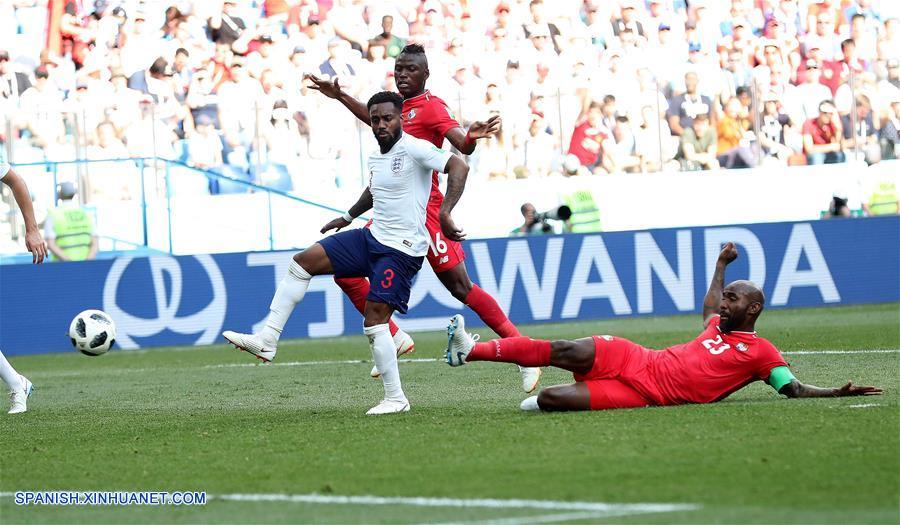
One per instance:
[(620, 377), (443, 253)]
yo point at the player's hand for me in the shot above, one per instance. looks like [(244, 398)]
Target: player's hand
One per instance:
[(852, 390), (335, 224), (331, 89), (481, 130), (450, 229), (729, 253), (35, 244)]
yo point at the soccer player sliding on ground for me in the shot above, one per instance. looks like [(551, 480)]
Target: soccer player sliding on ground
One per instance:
[(611, 372), (20, 387), (427, 117), (390, 253)]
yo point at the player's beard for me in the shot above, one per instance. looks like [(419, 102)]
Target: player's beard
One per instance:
[(386, 143)]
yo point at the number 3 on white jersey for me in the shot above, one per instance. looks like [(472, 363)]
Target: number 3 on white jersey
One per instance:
[(715, 345), (439, 246)]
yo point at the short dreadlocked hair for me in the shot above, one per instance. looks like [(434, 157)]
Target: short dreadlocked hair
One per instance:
[(413, 49), (386, 96)]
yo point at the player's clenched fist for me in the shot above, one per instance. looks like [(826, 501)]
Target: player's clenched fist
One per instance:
[(729, 253)]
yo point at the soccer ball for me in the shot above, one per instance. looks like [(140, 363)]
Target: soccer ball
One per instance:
[(92, 332)]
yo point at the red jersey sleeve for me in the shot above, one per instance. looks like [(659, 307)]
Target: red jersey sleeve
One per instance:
[(441, 116), (769, 358)]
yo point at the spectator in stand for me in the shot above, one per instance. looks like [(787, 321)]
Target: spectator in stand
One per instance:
[(538, 149), (539, 22), (865, 137), (393, 43), (12, 83), (822, 136), (591, 142), (732, 138), (698, 145), (774, 128), (204, 145), (42, 106), (654, 142), (811, 92), (888, 137), (684, 108), (226, 27), (624, 149), (864, 36)]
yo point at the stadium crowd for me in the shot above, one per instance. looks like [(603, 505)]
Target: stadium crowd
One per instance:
[(583, 86)]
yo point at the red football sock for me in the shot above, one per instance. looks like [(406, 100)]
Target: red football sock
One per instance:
[(489, 311), (523, 351), (357, 288)]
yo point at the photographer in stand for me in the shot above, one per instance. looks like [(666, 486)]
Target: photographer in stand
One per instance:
[(539, 223)]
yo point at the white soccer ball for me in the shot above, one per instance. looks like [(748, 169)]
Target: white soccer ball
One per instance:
[(92, 332)]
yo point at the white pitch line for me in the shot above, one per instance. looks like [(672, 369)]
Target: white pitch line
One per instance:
[(543, 518), (459, 503), (865, 405), (315, 363), (586, 509)]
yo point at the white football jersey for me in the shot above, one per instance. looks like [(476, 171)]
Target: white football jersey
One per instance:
[(400, 183), (4, 169)]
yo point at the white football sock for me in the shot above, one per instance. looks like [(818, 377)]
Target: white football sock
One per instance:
[(385, 354), (12, 378), (290, 291)]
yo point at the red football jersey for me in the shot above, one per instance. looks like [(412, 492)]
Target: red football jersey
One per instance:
[(428, 118), (713, 365)]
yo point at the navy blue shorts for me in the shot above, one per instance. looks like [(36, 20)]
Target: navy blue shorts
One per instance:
[(356, 253)]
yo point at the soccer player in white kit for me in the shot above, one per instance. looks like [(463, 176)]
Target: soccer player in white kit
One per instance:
[(389, 253), (19, 386)]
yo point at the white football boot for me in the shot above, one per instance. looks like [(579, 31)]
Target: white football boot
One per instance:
[(389, 406), (530, 404), (405, 345), (459, 342), (19, 398), (252, 344), (531, 376)]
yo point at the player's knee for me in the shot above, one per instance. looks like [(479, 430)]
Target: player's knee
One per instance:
[(552, 399), (570, 355)]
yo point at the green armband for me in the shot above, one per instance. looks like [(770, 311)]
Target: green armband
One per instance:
[(780, 376)]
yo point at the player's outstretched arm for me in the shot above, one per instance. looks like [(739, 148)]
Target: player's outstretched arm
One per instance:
[(796, 389), (363, 204), (34, 241), (465, 141), (332, 89), (457, 171), (714, 295)]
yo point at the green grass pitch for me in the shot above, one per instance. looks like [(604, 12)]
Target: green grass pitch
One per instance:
[(175, 419)]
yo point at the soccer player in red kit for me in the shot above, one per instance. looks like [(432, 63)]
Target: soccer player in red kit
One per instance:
[(427, 117), (611, 372)]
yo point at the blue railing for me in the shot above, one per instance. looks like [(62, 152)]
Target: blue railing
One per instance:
[(151, 198)]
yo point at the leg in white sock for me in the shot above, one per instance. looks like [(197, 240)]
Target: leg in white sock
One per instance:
[(12, 378), (385, 354), (290, 291)]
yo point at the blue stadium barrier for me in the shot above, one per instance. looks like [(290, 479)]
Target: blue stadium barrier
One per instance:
[(189, 300)]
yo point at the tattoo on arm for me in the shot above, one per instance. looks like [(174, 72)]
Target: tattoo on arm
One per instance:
[(457, 172)]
